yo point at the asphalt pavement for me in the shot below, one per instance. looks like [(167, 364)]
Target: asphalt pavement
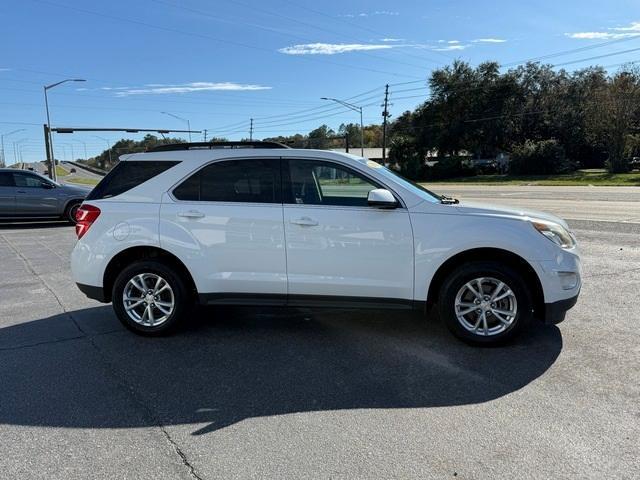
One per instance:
[(280, 393), (609, 204)]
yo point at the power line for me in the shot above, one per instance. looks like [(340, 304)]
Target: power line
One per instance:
[(570, 51), (286, 34), (377, 33), (209, 37), (300, 113)]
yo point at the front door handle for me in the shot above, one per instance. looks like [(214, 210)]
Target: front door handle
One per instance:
[(305, 222), (191, 214)]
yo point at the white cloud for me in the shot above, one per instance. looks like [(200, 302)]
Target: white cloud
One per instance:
[(158, 89), (489, 40), (451, 47), (332, 48), (338, 48), (632, 30), (392, 39), (370, 14), (634, 27)]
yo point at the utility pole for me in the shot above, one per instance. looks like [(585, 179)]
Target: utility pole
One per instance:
[(205, 135), (47, 137), (251, 130), (385, 115)]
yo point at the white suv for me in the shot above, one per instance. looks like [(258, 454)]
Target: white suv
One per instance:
[(262, 224)]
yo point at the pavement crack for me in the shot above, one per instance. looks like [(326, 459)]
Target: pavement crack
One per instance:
[(37, 344), (143, 406), (609, 274), (32, 270)]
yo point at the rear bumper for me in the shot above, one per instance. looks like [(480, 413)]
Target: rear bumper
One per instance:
[(556, 311), (95, 293)]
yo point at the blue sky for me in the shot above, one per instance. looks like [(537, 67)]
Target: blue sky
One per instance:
[(220, 63)]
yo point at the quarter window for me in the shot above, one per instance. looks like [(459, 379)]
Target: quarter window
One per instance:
[(324, 183), (246, 181), (127, 175)]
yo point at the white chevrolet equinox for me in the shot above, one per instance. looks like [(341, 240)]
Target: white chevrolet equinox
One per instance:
[(262, 224)]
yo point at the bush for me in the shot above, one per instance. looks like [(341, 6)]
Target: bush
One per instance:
[(450, 167), (544, 157)]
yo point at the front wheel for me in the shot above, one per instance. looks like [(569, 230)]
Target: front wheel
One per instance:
[(485, 303), (149, 298)]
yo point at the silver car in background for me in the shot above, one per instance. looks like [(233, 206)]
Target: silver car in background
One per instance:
[(29, 195)]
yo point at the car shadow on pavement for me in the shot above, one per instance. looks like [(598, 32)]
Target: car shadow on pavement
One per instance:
[(82, 370)]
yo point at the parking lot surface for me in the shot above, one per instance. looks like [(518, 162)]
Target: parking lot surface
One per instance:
[(280, 393)]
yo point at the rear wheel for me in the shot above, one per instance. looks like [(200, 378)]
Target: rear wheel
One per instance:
[(70, 212), (485, 303), (150, 298)]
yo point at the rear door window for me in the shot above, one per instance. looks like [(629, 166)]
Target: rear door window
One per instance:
[(127, 175), (244, 180)]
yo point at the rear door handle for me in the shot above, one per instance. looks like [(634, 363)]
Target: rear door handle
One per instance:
[(191, 214), (305, 222), (21, 191)]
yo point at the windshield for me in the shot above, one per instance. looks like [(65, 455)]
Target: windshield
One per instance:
[(413, 187)]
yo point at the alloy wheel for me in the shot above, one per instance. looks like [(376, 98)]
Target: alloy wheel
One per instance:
[(486, 306), (148, 299)]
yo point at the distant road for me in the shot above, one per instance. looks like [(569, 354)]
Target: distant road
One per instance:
[(617, 204)]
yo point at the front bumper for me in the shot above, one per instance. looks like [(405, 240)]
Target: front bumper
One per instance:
[(555, 312)]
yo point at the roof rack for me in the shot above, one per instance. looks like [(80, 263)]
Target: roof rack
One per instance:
[(211, 145)]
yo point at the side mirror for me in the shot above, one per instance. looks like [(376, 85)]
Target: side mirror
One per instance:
[(382, 198), (47, 185)]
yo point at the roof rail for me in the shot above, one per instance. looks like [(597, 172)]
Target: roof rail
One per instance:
[(211, 145)]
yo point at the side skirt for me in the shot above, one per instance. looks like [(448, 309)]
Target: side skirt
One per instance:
[(319, 301)]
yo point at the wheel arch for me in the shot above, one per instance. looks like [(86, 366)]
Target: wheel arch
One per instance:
[(70, 202), (515, 261), (134, 254)]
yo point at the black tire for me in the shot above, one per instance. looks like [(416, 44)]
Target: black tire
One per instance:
[(181, 298), (70, 211), (456, 281)]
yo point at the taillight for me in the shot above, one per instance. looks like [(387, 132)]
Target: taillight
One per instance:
[(85, 216)]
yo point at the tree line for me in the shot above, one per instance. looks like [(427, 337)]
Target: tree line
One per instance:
[(546, 121)]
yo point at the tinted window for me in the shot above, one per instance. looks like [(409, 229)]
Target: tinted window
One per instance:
[(26, 180), (248, 181), (324, 183), (127, 175), (6, 179)]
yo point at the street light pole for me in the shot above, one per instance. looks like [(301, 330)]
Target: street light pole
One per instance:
[(50, 154), (4, 158), (183, 119), (356, 109), (16, 149), (108, 148)]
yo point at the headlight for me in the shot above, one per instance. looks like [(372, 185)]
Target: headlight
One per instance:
[(555, 232)]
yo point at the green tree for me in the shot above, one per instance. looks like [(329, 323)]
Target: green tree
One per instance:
[(614, 114)]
